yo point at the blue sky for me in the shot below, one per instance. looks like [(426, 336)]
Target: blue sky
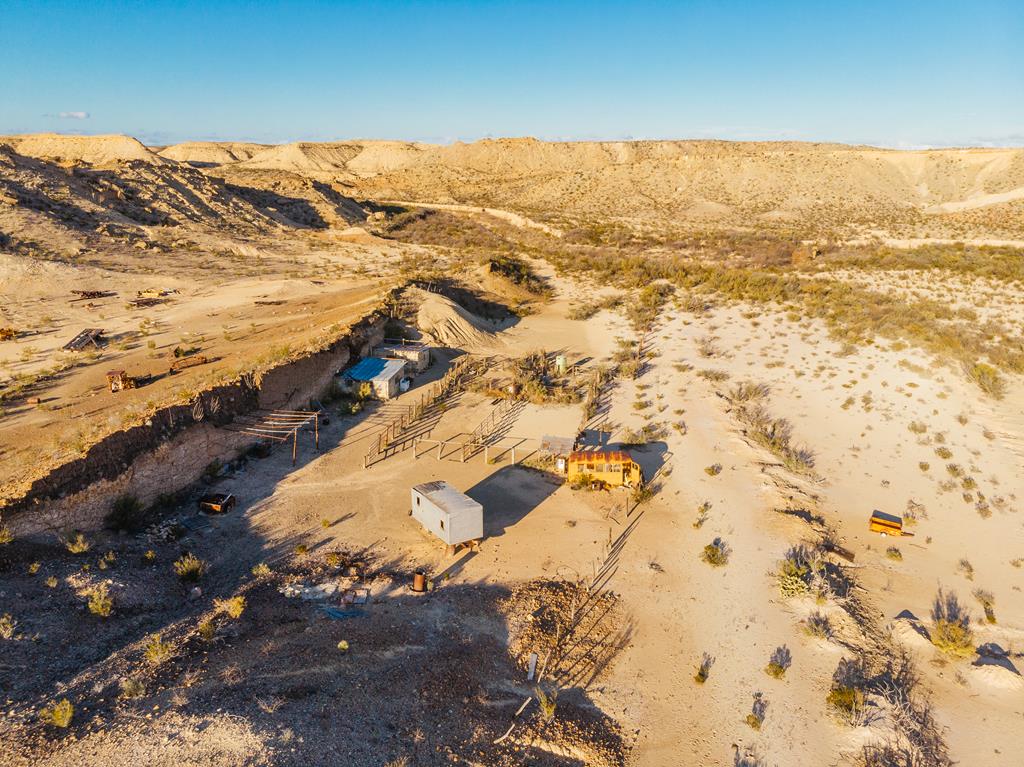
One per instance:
[(886, 73)]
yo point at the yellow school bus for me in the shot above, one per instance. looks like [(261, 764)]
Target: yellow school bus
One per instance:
[(615, 468)]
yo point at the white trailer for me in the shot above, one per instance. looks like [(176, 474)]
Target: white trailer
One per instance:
[(452, 516)]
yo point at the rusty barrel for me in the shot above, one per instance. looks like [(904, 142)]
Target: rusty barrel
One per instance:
[(419, 581)]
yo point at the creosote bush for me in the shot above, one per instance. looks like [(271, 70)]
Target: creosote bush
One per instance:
[(704, 669), (716, 553), (233, 607), (189, 568), (158, 651), (100, 602), (951, 626), (779, 663), (818, 625)]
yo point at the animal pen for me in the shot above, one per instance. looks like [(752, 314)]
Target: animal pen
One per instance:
[(397, 433), (279, 426)]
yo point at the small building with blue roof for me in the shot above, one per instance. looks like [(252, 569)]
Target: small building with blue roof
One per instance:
[(384, 375)]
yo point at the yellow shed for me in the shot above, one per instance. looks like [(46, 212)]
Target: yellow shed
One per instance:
[(615, 468)]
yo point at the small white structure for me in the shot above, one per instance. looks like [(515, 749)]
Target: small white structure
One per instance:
[(417, 355), (384, 375), (450, 515)]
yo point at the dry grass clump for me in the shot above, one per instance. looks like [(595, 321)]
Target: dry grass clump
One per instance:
[(951, 625), (846, 696), (261, 570), (78, 544), (132, 688), (7, 626), (713, 470), (776, 435), (58, 714), (818, 625), (716, 553), (232, 607), (988, 603), (189, 568), (587, 310), (6, 536), (986, 378), (157, 651)]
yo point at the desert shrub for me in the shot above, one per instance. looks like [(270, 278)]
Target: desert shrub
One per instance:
[(642, 493), (704, 669), (779, 663), (548, 702), (986, 378), (6, 536), (988, 603), (157, 651), (233, 607), (951, 625), (189, 568), (301, 550), (132, 688), (713, 470), (343, 646), (798, 571), (756, 716), (261, 570), (58, 714), (847, 701), (894, 553), (7, 626), (716, 553), (916, 427), (125, 514), (100, 602), (78, 544), (206, 630), (944, 453)]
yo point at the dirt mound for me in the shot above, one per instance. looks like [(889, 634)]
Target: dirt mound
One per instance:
[(449, 324), (996, 672), (304, 157), (209, 153), (96, 150)]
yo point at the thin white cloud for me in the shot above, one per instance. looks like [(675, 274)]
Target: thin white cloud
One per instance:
[(73, 115)]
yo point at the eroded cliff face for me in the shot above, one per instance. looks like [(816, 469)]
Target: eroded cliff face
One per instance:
[(172, 449)]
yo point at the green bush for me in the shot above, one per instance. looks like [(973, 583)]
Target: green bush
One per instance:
[(59, 714), (189, 568), (126, 513)]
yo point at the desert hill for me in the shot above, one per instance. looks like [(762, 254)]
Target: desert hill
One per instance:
[(208, 153), (821, 188)]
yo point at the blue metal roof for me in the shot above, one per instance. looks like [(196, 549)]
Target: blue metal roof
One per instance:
[(371, 367)]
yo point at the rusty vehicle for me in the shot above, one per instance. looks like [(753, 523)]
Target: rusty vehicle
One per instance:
[(217, 503), (886, 524)]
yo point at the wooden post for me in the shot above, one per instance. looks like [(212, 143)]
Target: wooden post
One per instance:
[(295, 444), (316, 430), (439, 446), (486, 460)]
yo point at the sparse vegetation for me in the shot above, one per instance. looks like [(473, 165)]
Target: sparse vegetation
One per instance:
[(78, 544)]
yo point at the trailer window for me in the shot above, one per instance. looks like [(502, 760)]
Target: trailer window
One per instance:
[(590, 467), (615, 467)]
